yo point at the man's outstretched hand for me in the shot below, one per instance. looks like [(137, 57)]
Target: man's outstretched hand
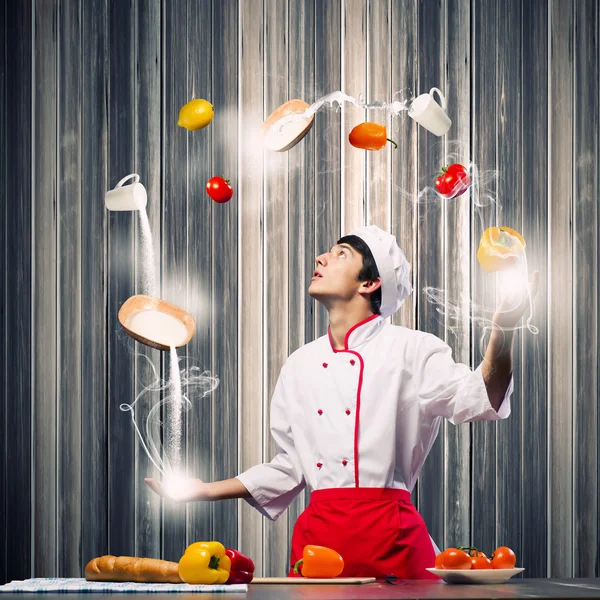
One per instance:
[(190, 490), (181, 490), (515, 303)]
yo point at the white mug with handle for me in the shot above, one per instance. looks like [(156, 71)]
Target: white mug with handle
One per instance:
[(429, 114), (127, 197)]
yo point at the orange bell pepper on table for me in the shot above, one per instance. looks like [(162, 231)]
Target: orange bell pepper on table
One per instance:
[(319, 562), (500, 248)]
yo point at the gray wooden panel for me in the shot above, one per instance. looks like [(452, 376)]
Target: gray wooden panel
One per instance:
[(378, 88), (301, 180), (3, 285), (404, 49), (174, 234), (148, 145), (250, 357), (69, 321), (225, 265), (121, 282), (301, 218), (560, 307), (199, 227), (45, 189), (276, 244), (457, 264), (430, 243), (509, 165), (586, 170), (326, 130), (483, 296), (353, 35), (534, 366), (18, 292), (94, 352)]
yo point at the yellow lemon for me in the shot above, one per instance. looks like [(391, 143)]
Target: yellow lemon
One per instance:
[(196, 114)]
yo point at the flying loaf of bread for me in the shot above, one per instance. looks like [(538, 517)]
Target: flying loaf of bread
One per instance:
[(130, 568)]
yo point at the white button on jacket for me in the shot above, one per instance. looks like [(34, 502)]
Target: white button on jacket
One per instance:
[(365, 416)]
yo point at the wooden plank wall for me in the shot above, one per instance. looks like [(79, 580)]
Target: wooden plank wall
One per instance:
[(534, 357), (18, 271), (3, 388), (91, 91)]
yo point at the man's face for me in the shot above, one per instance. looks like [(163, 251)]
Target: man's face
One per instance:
[(336, 274)]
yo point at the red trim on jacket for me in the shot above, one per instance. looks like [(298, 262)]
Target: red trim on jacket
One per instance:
[(357, 417), (359, 389), (347, 336)]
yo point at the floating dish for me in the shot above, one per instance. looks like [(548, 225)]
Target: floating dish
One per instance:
[(476, 575), (280, 133), (156, 323)]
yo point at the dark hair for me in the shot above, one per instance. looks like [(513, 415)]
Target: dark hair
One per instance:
[(369, 271)]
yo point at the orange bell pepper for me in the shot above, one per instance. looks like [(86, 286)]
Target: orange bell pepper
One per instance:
[(369, 136), (319, 561), (500, 248)]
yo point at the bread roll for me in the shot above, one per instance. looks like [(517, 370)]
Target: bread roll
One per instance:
[(130, 568)]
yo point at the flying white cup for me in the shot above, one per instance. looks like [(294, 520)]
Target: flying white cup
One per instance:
[(127, 197), (429, 114)]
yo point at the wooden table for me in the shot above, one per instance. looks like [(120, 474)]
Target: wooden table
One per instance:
[(517, 588)]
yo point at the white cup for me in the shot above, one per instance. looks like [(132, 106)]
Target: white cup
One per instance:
[(428, 113), (127, 197)]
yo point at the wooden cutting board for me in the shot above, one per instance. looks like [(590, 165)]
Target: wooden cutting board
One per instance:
[(307, 580)]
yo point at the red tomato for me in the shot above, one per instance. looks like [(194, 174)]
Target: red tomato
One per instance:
[(503, 558), (438, 561), (453, 558), (453, 181), (219, 189), (481, 561)]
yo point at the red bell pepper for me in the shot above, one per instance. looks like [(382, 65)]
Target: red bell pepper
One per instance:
[(242, 567)]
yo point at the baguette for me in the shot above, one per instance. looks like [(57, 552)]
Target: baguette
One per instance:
[(130, 568)]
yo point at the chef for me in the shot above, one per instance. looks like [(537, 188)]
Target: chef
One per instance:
[(355, 413)]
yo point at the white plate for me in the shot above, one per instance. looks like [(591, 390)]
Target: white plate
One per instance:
[(476, 575)]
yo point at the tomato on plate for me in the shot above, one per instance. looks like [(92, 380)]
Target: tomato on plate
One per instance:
[(219, 189), (453, 181), (438, 561), (480, 561), (453, 558), (503, 558)]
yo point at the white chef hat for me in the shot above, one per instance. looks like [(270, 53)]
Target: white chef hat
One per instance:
[(392, 265)]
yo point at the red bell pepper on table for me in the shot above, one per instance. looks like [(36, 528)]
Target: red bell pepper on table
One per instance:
[(242, 567)]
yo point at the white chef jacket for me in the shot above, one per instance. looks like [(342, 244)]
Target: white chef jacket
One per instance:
[(365, 416)]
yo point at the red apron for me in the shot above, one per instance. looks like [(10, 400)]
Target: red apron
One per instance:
[(377, 531)]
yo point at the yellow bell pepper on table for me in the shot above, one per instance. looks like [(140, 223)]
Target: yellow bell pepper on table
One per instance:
[(205, 563)]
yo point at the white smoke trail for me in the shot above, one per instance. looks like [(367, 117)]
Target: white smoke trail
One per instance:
[(182, 387)]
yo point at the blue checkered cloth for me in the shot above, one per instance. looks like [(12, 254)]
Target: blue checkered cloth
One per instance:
[(66, 585)]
